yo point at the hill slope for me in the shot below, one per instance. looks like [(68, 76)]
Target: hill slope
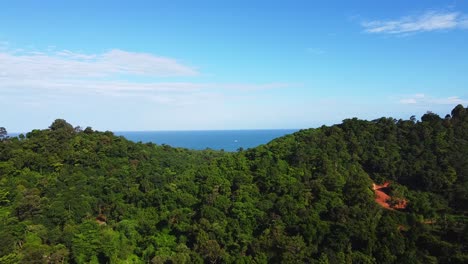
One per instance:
[(68, 195)]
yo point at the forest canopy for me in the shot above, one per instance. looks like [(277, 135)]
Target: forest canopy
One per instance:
[(69, 195)]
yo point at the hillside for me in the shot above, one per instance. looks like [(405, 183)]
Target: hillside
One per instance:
[(69, 195)]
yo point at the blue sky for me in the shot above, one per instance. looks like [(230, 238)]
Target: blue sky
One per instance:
[(190, 65)]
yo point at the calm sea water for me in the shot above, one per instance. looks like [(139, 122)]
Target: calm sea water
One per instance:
[(229, 140)]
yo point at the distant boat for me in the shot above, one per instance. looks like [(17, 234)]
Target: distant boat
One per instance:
[(235, 140)]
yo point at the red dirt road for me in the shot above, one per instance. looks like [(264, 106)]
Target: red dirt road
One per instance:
[(383, 199)]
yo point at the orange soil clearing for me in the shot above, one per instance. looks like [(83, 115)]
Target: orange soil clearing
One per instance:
[(101, 219), (383, 199)]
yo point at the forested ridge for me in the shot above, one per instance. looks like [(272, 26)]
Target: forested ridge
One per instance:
[(69, 195)]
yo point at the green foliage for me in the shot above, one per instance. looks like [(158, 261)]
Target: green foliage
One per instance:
[(69, 195), (3, 133)]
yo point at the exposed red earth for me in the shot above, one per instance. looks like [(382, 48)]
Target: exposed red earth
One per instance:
[(101, 219), (383, 199)]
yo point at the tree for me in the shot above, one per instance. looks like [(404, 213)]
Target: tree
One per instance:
[(93, 197), (3, 133), (61, 124)]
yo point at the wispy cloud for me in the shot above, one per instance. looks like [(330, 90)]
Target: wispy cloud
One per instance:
[(428, 21), (61, 64), (26, 74), (422, 99)]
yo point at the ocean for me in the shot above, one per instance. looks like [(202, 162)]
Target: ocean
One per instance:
[(228, 140)]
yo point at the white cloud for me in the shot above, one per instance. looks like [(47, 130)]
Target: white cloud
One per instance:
[(422, 99), (450, 100), (126, 87), (408, 101), (40, 65), (428, 21), (26, 74)]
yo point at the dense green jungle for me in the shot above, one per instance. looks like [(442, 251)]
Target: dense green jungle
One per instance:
[(73, 195)]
